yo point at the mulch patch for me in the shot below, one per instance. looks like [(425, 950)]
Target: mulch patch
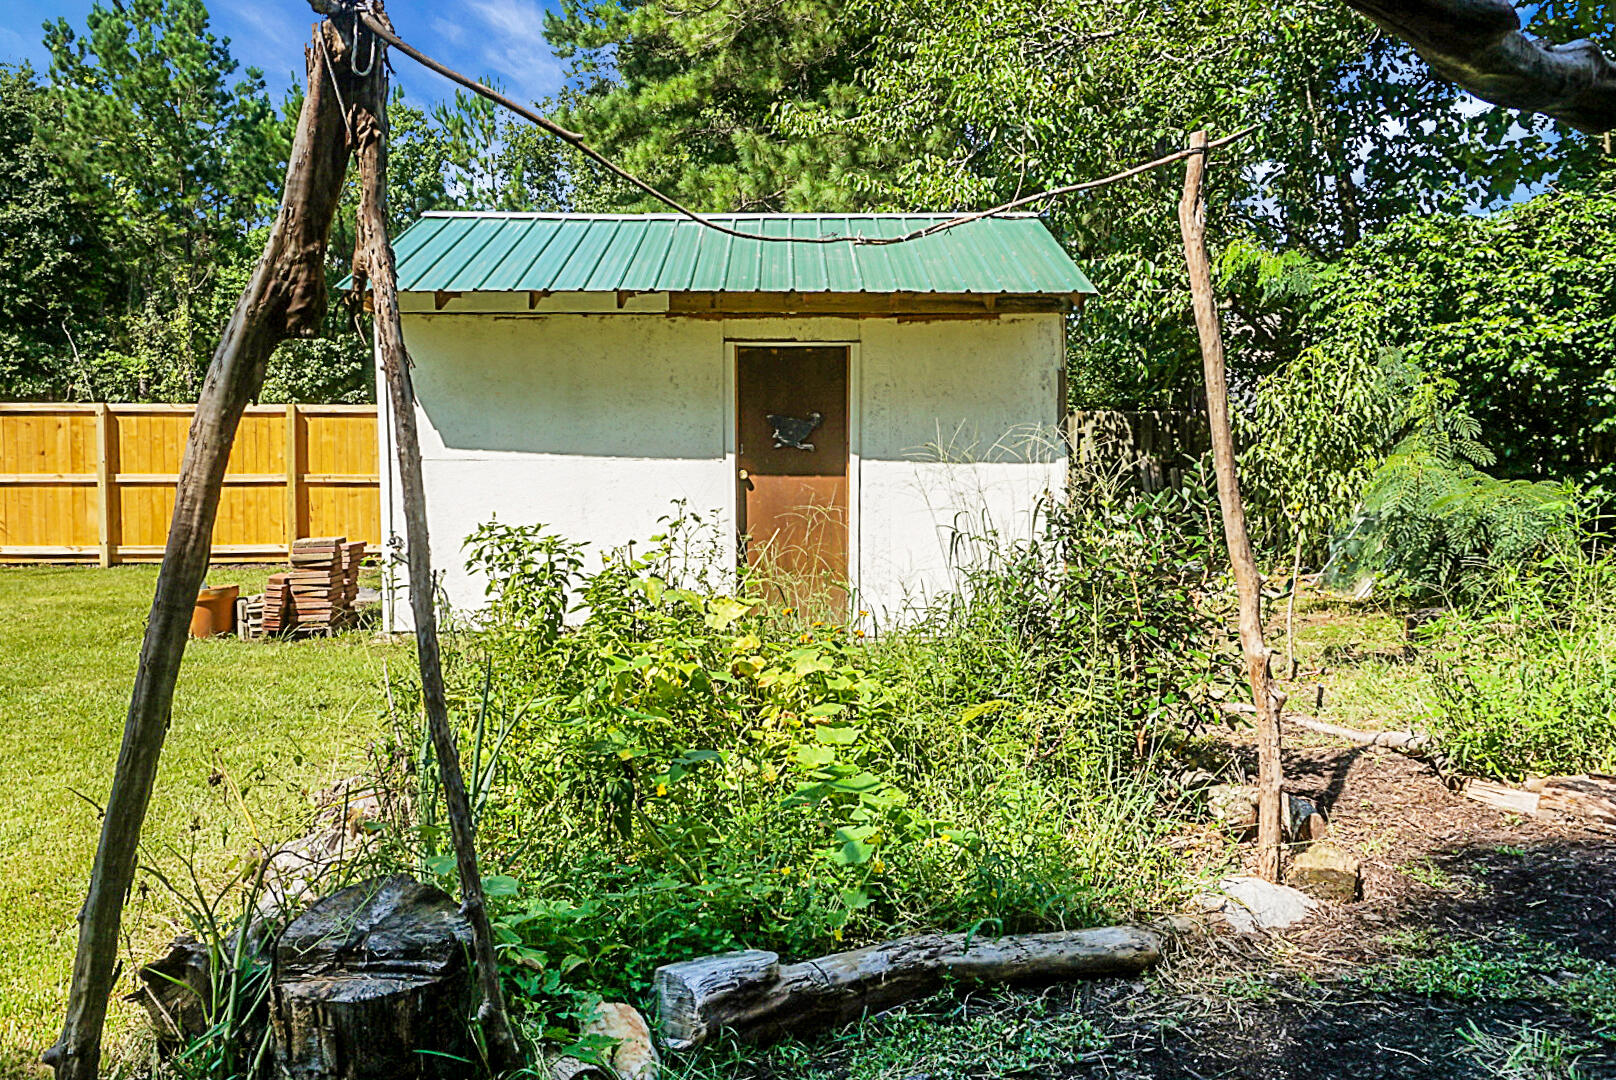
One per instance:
[(1437, 867)]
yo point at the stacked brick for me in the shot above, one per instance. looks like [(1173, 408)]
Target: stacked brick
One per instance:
[(316, 595)]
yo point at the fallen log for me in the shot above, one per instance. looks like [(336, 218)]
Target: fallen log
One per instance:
[(752, 994), (1408, 742), (1590, 797)]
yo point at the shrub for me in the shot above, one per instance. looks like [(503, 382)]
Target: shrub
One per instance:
[(1525, 679), (689, 770)]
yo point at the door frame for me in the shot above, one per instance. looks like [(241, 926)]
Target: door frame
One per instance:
[(855, 394)]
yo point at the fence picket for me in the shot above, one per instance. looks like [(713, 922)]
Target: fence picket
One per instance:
[(54, 508)]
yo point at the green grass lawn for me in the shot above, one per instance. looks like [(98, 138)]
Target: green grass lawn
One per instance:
[(279, 720)]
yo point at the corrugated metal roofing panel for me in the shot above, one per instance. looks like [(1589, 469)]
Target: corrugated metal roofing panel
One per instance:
[(662, 253)]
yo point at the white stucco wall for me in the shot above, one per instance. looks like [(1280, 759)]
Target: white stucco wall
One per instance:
[(594, 423)]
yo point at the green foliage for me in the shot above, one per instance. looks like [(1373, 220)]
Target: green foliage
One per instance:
[(1507, 319), (994, 1036), (688, 769), (1430, 519), (180, 160), (53, 249), (136, 190), (928, 105), (1525, 676)]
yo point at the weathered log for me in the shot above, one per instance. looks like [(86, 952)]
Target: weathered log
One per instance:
[(755, 996), (177, 993), (286, 297), (1502, 796), (372, 982), (1408, 742), (1268, 700), (1590, 797), (374, 263), (1479, 45)]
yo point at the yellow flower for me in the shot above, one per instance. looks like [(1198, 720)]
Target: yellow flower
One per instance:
[(662, 789), (861, 633), (806, 638), (785, 611), (864, 614), (784, 870), (816, 624), (837, 933), (878, 866)]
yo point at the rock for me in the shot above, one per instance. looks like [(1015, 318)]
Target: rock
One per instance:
[(297, 869), (633, 1058), (1248, 904), (1327, 872), (1234, 806)]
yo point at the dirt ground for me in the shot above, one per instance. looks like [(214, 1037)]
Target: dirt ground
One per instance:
[(1440, 873)]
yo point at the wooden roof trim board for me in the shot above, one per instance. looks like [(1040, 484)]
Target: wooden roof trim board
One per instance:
[(461, 252)]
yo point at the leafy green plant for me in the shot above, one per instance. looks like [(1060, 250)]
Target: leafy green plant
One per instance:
[(1524, 678), (684, 768)]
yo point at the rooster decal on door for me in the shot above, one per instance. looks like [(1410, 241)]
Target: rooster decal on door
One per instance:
[(792, 432)]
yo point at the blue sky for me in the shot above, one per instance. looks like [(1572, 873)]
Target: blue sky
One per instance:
[(502, 39)]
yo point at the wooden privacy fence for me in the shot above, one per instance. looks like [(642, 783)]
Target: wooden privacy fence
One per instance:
[(95, 483)]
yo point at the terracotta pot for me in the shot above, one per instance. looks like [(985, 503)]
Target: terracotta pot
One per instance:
[(215, 611)]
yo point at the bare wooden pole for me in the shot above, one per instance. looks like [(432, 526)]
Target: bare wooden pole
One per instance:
[(286, 297), (1269, 701), (373, 261)]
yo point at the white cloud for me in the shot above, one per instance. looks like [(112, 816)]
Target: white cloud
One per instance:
[(513, 46), (454, 32)]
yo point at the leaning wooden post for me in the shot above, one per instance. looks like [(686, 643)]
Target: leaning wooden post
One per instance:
[(286, 297), (1269, 701), (373, 261)]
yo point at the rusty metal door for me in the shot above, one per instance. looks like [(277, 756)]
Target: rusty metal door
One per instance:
[(792, 495)]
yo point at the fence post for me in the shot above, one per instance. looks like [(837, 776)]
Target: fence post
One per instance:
[(294, 476), (106, 508)]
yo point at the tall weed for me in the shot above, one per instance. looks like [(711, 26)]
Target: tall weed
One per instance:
[(1525, 678)]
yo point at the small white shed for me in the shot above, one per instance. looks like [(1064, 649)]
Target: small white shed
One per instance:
[(850, 407)]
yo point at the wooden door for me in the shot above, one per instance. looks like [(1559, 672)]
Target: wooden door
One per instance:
[(792, 496)]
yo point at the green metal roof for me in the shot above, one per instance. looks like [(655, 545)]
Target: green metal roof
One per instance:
[(501, 252)]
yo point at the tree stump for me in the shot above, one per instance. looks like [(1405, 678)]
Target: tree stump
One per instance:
[(371, 983)]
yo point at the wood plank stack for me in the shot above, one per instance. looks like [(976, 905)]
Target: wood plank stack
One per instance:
[(317, 594)]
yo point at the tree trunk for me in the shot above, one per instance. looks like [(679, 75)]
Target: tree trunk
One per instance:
[(286, 297), (373, 261), (755, 996), (1269, 701)]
